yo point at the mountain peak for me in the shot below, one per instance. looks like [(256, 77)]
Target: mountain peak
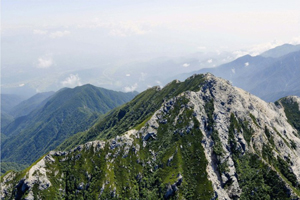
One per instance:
[(292, 99), (281, 50), (63, 114), (199, 138)]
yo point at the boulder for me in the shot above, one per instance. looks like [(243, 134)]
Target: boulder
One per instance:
[(149, 135)]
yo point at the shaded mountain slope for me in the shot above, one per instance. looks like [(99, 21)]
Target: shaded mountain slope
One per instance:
[(292, 110), (282, 75), (67, 112), (8, 101), (241, 66), (207, 140), (28, 105), (6, 119), (134, 112), (281, 50), (271, 75)]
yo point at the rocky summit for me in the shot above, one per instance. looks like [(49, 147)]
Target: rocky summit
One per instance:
[(210, 141)]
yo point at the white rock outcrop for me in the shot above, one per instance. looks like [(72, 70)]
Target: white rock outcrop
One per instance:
[(227, 100)]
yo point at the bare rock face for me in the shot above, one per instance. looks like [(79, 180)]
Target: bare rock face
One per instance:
[(228, 99), (37, 174), (268, 124), (171, 189), (293, 99)]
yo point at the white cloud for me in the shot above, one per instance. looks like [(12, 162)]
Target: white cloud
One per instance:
[(21, 85), (39, 32), (159, 83), (71, 81), (58, 34), (127, 74), (117, 32), (201, 48), (246, 64), (123, 29), (44, 62), (55, 34), (295, 40), (119, 28), (209, 61), (259, 48), (142, 76), (185, 65), (131, 88), (240, 53)]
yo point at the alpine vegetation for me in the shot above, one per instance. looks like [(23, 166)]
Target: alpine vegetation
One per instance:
[(197, 139)]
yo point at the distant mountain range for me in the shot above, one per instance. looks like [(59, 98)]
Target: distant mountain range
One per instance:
[(45, 120), (27, 106), (8, 101), (140, 74), (137, 74), (270, 76), (281, 50), (14, 106), (197, 138)]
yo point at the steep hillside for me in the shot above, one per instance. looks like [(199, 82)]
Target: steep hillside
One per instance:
[(291, 108), (8, 101), (281, 76), (5, 119), (281, 50), (278, 95), (133, 113), (67, 112), (245, 65), (272, 75), (198, 139), (28, 105), (13, 106)]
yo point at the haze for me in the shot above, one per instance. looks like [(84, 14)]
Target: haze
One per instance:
[(131, 45)]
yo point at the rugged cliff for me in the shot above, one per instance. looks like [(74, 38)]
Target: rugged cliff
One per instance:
[(213, 141)]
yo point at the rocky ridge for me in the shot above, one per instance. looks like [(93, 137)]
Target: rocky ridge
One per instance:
[(227, 100), (207, 115)]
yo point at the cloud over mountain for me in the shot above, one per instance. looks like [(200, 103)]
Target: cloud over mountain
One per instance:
[(72, 81), (44, 62), (131, 88), (59, 34)]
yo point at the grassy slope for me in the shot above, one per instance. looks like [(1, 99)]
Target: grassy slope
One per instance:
[(257, 180), (5, 119), (6, 166), (138, 176), (69, 111), (28, 105), (292, 112), (132, 113), (130, 176)]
